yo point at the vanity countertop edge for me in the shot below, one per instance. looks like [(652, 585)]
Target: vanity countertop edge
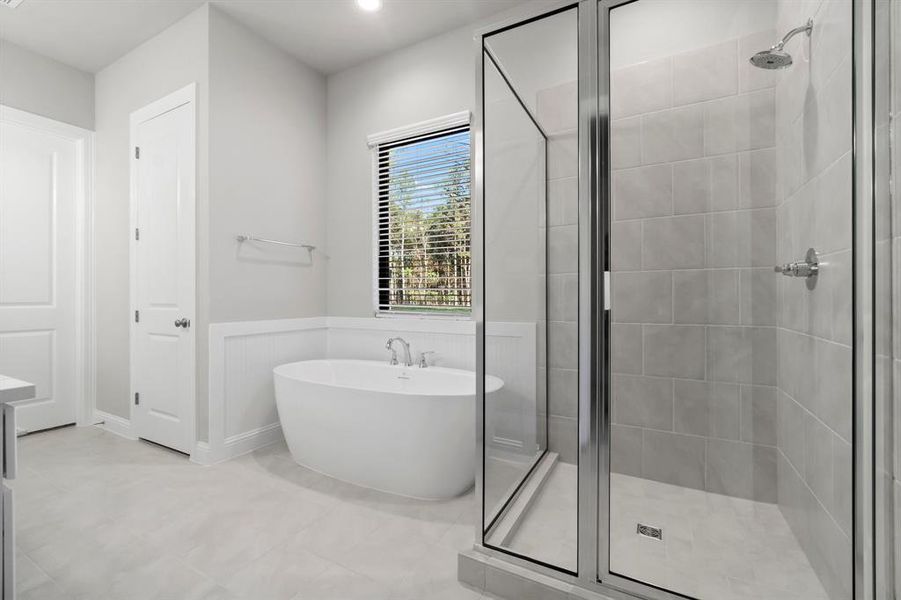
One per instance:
[(12, 390)]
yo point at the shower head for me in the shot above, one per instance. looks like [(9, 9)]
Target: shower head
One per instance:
[(776, 57), (772, 59)]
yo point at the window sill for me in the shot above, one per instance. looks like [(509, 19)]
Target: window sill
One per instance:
[(422, 316)]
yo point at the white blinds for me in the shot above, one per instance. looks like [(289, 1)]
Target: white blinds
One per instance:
[(423, 258)]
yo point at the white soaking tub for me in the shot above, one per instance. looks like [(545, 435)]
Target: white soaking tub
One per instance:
[(405, 430)]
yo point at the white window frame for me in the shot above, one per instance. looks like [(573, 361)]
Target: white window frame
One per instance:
[(435, 125)]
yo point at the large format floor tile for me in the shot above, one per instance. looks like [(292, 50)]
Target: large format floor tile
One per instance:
[(100, 516), (714, 547)]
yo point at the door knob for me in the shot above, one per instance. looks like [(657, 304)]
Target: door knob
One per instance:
[(183, 323)]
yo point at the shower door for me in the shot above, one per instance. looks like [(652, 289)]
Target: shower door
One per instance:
[(729, 206), (689, 235)]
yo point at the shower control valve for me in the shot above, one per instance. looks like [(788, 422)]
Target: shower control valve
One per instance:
[(808, 268)]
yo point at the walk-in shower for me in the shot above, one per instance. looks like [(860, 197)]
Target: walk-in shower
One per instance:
[(667, 263)]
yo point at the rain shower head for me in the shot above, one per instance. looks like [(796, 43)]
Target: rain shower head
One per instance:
[(776, 57), (772, 59)]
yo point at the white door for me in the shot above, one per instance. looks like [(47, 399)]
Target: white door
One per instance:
[(38, 210), (163, 271)]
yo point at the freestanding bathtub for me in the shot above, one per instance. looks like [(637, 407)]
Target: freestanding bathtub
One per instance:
[(405, 430)]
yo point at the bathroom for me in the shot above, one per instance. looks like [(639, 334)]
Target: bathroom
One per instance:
[(388, 299)]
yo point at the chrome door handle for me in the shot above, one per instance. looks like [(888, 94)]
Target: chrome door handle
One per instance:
[(183, 323)]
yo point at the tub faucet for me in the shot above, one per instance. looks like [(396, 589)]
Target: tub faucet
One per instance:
[(408, 360)]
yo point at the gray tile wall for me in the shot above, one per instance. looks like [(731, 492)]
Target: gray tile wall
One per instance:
[(694, 304), (813, 144), (887, 317), (557, 110)]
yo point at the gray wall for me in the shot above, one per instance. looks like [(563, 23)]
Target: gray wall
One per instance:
[(430, 79), (557, 111), (694, 293), (267, 177), (261, 135), (43, 86), (173, 59), (813, 124)]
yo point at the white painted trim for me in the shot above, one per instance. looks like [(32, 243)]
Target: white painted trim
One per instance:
[(218, 442), (85, 312), (221, 447), (180, 97), (115, 424), (422, 128), (237, 445)]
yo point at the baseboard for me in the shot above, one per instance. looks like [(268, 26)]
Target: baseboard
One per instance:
[(237, 445), (202, 454), (114, 424)]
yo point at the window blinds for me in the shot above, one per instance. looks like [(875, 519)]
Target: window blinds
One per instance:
[(423, 206)]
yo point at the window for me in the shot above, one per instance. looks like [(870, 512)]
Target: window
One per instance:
[(423, 259)]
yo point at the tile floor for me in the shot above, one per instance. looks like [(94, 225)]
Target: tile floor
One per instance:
[(714, 547), (101, 517)]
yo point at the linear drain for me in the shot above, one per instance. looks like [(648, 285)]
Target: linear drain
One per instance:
[(649, 531)]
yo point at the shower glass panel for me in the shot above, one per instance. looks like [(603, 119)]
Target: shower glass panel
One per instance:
[(530, 295), (731, 319)]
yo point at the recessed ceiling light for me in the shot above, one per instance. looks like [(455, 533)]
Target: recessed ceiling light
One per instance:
[(370, 5)]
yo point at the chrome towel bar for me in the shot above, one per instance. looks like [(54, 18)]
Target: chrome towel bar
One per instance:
[(251, 238)]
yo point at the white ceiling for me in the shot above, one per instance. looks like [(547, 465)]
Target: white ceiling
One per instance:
[(331, 35), (328, 35)]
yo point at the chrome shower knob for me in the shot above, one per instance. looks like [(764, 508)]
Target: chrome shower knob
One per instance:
[(808, 268)]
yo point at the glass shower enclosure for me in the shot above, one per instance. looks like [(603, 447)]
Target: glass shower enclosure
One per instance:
[(668, 238)]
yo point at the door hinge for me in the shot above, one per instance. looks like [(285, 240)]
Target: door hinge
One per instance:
[(137, 152), (137, 398), (137, 234), (137, 316)]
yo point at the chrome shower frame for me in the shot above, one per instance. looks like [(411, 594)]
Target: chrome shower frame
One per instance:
[(594, 578)]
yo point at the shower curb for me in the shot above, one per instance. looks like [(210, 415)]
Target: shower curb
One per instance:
[(502, 579), (507, 526)]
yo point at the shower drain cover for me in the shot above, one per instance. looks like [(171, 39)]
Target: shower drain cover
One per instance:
[(650, 531)]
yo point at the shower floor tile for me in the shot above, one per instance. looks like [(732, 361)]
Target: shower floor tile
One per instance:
[(714, 547), (99, 516)]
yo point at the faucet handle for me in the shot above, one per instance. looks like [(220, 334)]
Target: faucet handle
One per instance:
[(393, 359), (424, 358)]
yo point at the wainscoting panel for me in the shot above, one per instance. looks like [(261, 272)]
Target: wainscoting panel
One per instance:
[(243, 416), (242, 409), (452, 341)]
